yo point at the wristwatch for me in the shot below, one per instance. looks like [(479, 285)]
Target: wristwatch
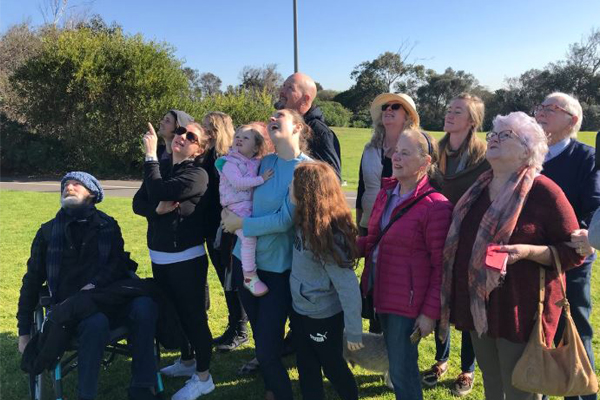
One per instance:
[(151, 158)]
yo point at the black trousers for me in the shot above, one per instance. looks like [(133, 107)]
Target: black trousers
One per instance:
[(222, 260), (319, 346), (184, 283), (267, 315)]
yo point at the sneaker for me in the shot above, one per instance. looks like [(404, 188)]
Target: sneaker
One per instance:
[(225, 337), (253, 283), (179, 369), (432, 375), (194, 388), (463, 384), (234, 341), (249, 368)]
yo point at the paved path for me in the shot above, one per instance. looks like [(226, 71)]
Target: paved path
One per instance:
[(111, 188)]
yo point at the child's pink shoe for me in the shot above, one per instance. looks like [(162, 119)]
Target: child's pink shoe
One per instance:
[(253, 283)]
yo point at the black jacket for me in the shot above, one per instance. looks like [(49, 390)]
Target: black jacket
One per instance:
[(211, 200), (79, 266), (185, 183), (324, 144)]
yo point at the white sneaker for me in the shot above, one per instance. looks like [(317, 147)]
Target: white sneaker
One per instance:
[(194, 388), (179, 369)]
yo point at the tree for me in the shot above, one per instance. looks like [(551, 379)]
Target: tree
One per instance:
[(374, 77), (261, 79), (210, 84), (433, 96), (92, 90)]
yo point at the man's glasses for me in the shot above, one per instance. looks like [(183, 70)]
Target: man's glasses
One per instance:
[(190, 136), (395, 106), (550, 109)]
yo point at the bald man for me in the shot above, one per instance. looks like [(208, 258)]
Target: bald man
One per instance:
[(297, 93)]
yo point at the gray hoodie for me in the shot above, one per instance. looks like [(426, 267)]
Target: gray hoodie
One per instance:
[(321, 290)]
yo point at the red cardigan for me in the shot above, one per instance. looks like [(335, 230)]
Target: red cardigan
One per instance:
[(409, 264), (547, 218)]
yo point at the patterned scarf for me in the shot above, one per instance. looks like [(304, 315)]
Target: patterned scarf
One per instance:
[(496, 226), (57, 241)]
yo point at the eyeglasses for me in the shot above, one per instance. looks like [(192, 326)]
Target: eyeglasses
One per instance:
[(190, 136), (550, 109), (503, 135), (395, 106)]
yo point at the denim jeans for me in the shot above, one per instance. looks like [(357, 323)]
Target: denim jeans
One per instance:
[(403, 356), (139, 316), (578, 294), (467, 355)]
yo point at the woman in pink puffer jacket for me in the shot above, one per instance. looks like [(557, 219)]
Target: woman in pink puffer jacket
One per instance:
[(403, 270)]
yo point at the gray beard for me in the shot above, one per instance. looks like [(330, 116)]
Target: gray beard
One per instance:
[(72, 202)]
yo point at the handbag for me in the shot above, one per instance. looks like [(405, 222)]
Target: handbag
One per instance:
[(561, 371), (368, 306)]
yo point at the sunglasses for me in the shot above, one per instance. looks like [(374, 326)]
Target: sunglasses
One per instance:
[(190, 136), (395, 106)]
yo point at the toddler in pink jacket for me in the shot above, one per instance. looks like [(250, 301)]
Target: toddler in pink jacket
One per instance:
[(239, 175)]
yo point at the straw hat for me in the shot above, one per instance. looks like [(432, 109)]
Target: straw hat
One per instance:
[(404, 99)]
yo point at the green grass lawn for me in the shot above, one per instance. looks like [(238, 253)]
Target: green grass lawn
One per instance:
[(21, 213)]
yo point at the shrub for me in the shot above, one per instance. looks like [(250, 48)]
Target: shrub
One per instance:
[(334, 113)]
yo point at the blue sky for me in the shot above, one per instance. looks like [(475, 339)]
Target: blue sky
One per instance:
[(492, 40)]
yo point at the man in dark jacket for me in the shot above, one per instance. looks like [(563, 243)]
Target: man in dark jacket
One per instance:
[(82, 249), (298, 93), (571, 165)]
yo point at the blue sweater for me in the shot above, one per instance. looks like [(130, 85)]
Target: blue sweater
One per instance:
[(272, 216), (574, 170)]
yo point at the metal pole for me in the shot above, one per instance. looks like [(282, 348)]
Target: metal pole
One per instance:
[(295, 37)]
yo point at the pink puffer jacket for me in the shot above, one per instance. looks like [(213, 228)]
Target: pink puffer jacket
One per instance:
[(408, 273), (238, 177)]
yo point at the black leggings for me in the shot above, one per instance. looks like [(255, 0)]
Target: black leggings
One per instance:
[(184, 283), (319, 345)]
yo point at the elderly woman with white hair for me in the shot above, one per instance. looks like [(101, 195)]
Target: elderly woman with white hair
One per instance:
[(520, 213), (571, 165)]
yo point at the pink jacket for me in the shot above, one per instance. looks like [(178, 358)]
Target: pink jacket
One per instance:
[(408, 273), (239, 175)]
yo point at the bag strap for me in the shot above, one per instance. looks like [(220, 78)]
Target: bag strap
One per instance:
[(564, 303), (396, 217)]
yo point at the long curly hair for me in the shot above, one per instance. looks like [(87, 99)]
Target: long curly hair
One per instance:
[(322, 211)]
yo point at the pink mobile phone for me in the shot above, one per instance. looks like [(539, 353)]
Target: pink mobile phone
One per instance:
[(495, 259)]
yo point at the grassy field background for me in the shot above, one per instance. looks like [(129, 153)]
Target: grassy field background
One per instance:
[(21, 214)]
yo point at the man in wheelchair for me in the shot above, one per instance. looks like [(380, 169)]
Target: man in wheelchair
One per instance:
[(82, 249)]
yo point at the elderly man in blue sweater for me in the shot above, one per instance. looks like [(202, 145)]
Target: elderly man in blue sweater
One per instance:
[(571, 165)]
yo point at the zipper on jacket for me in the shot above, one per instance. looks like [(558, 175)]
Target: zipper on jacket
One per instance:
[(410, 299)]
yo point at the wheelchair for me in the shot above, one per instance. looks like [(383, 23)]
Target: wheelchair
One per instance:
[(68, 362)]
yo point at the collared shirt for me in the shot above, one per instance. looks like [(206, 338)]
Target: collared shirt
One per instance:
[(557, 148)]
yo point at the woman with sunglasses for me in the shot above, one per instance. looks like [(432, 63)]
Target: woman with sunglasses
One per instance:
[(391, 114), (169, 198), (496, 246)]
